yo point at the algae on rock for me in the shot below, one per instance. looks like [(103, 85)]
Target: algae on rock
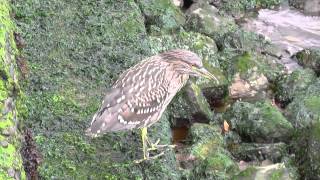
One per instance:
[(75, 51), (10, 158), (213, 161), (259, 122)]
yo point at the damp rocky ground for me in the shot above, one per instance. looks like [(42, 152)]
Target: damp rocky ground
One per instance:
[(259, 121)]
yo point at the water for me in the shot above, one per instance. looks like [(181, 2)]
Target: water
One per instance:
[(289, 29)]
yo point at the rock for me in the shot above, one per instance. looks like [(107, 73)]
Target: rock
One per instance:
[(290, 86), (259, 152), (304, 114), (308, 157), (204, 18), (239, 7), (4, 144), (11, 172), (273, 171), (212, 160), (10, 158), (248, 82), (259, 122), (255, 86), (203, 45), (304, 109), (163, 14), (82, 53), (309, 58), (216, 92), (189, 106), (309, 7)]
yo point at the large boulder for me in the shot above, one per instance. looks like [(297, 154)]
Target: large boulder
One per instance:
[(259, 122), (75, 51), (10, 100)]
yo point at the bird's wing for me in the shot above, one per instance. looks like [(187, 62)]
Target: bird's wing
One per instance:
[(122, 114), (133, 102)]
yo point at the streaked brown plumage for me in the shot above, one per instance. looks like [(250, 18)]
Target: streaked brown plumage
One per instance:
[(141, 94)]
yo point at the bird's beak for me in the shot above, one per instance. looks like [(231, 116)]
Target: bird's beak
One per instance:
[(204, 73)]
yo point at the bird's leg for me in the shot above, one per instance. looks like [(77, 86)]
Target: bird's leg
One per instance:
[(155, 146), (144, 133)]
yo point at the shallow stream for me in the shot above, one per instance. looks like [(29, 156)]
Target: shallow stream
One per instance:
[(287, 28)]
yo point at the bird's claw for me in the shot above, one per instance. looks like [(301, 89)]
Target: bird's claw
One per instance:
[(149, 158), (156, 146)]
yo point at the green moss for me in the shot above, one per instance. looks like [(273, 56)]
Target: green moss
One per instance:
[(10, 158), (244, 63), (249, 172), (241, 6), (7, 155), (291, 86), (313, 104), (161, 13), (6, 120), (221, 162), (259, 121), (274, 116), (316, 132), (208, 148)]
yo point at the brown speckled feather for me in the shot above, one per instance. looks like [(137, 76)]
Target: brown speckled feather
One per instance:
[(138, 98)]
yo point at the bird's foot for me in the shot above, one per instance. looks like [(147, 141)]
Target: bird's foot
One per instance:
[(149, 158), (156, 145)]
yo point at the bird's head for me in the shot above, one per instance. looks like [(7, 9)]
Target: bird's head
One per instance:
[(187, 62)]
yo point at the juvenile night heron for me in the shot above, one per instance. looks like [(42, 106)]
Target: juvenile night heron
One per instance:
[(142, 93)]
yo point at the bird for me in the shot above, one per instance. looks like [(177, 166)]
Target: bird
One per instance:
[(141, 94)]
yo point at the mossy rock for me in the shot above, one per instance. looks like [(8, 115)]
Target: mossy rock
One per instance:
[(10, 159), (309, 58), (71, 155), (163, 14), (259, 122), (248, 62), (290, 86), (304, 114), (213, 161), (75, 51), (239, 7), (189, 106), (274, 152), (205, 19), (308, 157)]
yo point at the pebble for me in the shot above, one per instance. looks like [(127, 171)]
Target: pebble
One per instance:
[(4, 144), (11, 172)]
